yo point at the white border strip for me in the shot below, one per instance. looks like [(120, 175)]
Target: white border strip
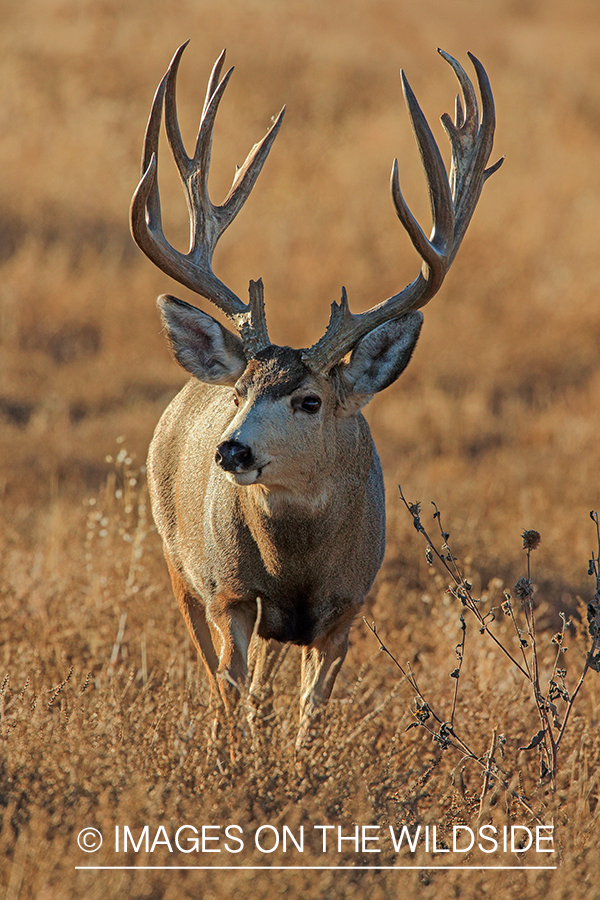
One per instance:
[(309, 868)]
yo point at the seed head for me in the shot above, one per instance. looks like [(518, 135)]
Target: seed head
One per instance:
[(531, 540), (523, 589)]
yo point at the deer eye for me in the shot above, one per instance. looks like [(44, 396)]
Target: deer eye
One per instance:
[(235, 399), (310, 404)]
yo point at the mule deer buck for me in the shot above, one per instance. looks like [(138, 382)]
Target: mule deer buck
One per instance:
[(265, 482)]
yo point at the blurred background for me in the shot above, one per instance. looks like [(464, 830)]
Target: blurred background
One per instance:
[(103, 710), (497, 416)]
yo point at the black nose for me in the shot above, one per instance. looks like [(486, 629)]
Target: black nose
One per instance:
[(234, 457)]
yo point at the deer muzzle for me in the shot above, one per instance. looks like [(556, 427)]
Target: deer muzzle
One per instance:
[(233, 456)]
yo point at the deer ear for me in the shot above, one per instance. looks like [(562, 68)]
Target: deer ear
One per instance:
[(379, 358), (200, 344)]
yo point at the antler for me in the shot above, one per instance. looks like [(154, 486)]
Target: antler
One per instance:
[(207, 221), (453, 201)]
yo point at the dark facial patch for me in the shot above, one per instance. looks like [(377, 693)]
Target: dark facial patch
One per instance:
[(274, 372)]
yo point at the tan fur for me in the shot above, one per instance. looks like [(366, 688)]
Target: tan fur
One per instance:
[(308, 543)]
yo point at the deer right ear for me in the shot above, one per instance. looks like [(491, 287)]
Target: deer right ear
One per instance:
[(379, 358), (200, 344)]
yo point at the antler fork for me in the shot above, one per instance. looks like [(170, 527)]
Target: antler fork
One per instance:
[(207, 221)]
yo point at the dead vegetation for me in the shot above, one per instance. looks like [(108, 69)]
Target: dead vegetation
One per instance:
[(105, 718)]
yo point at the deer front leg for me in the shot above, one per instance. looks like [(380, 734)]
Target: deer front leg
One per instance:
[(266, 656), (231, 626), (321, 662), (221, 635), (194, 616)]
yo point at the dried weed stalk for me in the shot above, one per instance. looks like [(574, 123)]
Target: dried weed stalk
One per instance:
[(553, 702)]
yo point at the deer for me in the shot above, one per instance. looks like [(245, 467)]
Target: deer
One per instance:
[(265, 482)]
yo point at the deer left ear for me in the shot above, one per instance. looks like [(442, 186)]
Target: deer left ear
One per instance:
[(200, 344), (379, 358)]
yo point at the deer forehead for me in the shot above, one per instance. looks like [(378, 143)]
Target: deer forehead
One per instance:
[(275, 373)]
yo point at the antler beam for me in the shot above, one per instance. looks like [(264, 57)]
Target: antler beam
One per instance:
[(453, 200)]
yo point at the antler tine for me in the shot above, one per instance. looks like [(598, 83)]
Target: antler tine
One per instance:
[(471, 145), (214, 94), (207, 221), (145, 211), (453, 200), (213, 81), (435, 249), (206, 225)]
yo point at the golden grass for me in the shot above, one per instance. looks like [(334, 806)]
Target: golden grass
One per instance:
[(496, 419)]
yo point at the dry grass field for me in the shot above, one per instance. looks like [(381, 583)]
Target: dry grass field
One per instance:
[(105, 717)]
